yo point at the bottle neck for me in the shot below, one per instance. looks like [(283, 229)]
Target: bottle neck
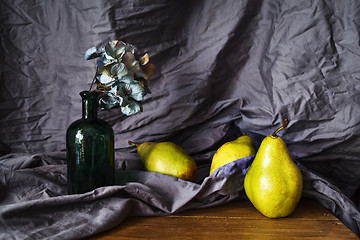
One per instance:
[(89, 105)]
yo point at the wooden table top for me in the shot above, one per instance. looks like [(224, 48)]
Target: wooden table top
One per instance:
[(234, 220)]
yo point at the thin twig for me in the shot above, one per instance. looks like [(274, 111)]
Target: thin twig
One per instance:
[(92, 83)]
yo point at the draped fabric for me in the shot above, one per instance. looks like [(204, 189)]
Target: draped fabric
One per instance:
[(222, 68)]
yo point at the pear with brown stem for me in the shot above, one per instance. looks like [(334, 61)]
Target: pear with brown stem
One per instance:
[(274, 182)]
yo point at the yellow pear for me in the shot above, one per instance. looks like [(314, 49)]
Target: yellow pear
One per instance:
[(167, 158), (274, 182), (241, 147)]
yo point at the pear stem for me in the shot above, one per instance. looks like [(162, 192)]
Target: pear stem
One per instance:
[(285, 123), (132, 143)]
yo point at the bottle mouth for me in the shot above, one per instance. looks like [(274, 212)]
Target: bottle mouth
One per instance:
[(89, 94), (89, 104)]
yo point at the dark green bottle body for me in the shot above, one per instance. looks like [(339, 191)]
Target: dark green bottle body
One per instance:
[(90, 149)]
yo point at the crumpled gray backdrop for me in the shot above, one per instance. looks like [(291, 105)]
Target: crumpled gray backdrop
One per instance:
[(223, 67)]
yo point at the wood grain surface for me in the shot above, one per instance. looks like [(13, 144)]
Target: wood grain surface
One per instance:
[(235, 220)]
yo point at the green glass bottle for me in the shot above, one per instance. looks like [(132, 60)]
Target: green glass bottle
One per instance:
[(90, 149)]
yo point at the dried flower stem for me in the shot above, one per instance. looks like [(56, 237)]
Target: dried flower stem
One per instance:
[(94, 78)]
